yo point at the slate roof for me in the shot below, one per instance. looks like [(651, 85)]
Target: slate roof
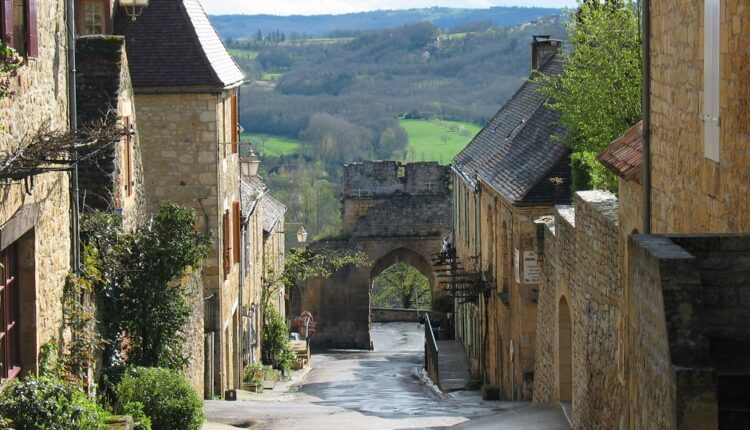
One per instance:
[(252, 189), (273, 210), (173, 44), (98, 88), (624, 155), (515, 152)]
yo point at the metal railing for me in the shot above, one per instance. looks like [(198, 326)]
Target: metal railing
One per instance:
[(430, 351)]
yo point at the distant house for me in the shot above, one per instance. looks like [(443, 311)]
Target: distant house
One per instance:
[(273, 245), (512, 172), (186, 96)]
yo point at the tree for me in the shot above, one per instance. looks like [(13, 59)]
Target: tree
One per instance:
[(401, 285), (598, 94)]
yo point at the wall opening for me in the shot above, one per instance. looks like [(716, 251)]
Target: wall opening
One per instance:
[(565, 351), (401, 286)]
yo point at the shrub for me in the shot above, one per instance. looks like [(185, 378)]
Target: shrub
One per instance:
[(254, 373), (166, 397), (50, 404), (140, 419), (277, 351)]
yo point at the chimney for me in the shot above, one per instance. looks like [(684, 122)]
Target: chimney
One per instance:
[(543, 47)]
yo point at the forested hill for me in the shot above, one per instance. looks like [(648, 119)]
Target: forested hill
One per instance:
[(242, 26)]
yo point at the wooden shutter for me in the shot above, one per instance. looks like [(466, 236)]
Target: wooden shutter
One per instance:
[(236, 228), (8, 22), (227, 258), (235, 125), (32, 47)]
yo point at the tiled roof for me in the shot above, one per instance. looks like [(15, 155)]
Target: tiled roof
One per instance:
[(516, 153), (173, 44), (252, 189), (624, 155), (98, 86), (273, 210)]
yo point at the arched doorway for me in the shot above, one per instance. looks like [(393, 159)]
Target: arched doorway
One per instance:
[(565, 351)]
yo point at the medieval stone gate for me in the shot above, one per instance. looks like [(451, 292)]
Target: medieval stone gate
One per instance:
[(395, 213)]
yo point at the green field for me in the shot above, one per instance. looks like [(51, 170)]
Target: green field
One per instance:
[(272, 146), (243, 53), (437, 140)]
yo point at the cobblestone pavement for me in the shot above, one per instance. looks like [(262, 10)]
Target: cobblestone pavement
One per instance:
[(357, 390)]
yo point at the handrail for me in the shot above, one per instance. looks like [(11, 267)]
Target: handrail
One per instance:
[(430, 351)]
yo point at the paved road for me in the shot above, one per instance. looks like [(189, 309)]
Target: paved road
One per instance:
[(357, 390)]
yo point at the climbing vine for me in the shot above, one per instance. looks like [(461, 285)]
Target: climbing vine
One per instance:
[(10, 61)]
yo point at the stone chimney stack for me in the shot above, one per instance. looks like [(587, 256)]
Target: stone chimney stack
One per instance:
[(543, 47)]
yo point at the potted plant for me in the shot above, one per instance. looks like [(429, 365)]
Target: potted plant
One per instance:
[(252, 379)]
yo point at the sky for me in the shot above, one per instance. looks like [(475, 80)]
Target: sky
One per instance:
[(319, 7)]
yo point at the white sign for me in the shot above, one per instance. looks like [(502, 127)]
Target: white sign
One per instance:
[(516, 265), (531, 270)]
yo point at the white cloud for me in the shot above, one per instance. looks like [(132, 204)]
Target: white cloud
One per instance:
[(316, 7)]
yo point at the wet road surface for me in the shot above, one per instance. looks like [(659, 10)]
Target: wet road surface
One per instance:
[(358, 390)]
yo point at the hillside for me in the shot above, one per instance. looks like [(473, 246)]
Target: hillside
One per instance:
[(243, 26)]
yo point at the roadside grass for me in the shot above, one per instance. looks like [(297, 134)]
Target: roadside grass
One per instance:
[(272, 146), (436, 140)]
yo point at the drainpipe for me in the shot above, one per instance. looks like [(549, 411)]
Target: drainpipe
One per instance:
[(646, 116), (73, 122)]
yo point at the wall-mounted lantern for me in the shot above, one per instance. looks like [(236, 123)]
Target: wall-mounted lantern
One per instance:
[(249, 164), (301, 234), (133, 7)]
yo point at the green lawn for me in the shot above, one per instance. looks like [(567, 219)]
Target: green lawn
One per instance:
[(437, 140), (244, 53), (266, 76), (272, 146)]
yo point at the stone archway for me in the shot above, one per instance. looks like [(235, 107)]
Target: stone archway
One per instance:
[(394, 213), (565, 351)]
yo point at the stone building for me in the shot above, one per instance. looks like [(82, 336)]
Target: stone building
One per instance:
[(112, 180), (35, 209), (511, 173), (662, 339), (186, 96), (392, 212), (272, 215), (252, 191)]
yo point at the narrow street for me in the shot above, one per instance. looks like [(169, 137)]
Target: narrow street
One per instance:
[(357, 390)]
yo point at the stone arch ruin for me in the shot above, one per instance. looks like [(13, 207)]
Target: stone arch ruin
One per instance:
[(393, 212)]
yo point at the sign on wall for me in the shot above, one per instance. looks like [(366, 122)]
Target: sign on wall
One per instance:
[(531, 270), (516, 265)]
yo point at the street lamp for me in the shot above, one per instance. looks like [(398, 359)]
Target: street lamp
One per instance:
[(301, 235), (249, 164), (133, 8)]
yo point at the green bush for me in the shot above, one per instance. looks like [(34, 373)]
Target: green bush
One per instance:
[(140, 419), (277, 350), (253, 374), (50, 404), (167, 398)]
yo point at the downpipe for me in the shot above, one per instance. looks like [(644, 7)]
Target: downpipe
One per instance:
[(73, 123)]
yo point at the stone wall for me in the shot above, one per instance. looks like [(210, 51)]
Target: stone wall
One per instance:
[(187, 160), (386, 315), (581, 259), (194, 331), (692, 193), (42, 219)]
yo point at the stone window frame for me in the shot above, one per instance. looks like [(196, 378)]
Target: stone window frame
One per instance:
[(712, 79), (20, 16)]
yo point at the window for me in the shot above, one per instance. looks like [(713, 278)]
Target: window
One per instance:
[(19, 27), (227, 256), (9, 310), (711, 78), (93, 18), (236, 230), (235, 124), (127, 149)]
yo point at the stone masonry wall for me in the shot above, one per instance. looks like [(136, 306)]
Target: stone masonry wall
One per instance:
[(40, 92), (692, 193), (580, 253)]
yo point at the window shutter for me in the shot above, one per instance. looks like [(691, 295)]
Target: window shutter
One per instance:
[(8, 22), (235, 125), (227, 247), (236, 226), (31, 27), (711, 78)]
